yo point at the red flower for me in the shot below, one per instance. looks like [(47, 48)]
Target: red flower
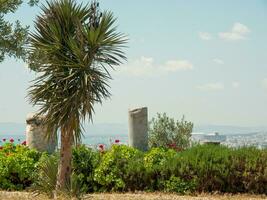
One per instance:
[(101, 147), (23, 143), (172, 145), (117, 141), (11, 140), (4, 139)]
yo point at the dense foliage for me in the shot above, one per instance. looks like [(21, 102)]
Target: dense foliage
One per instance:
[(202, 168), (16, 166), (85, 161), (45, 178), (166, 132), (120, 169), (45, 175), (13, 36)]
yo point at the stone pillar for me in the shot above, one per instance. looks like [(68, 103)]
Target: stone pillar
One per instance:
[(35, 135), (138, 127)]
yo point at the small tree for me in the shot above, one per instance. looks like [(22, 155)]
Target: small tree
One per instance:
[(166, 132), (71, 49), (13, 36)]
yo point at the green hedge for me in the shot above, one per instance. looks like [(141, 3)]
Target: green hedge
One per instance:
[(202, 168), (17, 164)]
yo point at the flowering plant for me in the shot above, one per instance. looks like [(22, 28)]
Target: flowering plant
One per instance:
[(17, 163), (117, 141), (101, 148)]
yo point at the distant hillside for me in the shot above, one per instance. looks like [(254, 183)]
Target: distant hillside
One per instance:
[(106, 129), (12, 128), (110, 129), (92, 129), (228, 130)]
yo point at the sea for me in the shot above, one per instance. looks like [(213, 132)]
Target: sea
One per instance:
[(93, 135), (92, 140), (106, 134)]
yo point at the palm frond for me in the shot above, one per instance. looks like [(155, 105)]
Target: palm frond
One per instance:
[(73, 48)]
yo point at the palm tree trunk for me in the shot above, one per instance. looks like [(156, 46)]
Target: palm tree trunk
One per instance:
[(64, 167)]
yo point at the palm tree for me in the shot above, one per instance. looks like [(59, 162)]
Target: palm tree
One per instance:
[(71, 49)]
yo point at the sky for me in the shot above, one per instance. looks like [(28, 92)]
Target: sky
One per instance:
[(206, 60)]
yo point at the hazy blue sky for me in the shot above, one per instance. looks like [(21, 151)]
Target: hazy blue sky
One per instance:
[(204, 59)]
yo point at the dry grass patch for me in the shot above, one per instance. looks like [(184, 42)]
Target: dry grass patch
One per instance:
[(164, 196), (135, 196)]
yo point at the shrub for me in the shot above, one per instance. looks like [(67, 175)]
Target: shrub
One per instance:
[(157, 156), (166, 132), (176, 184), (46, 176), (84, 162), (155, 166), (118, 169), (17, 164), (218, 168), (207, 164), (202, 168), (161, 172), (248, 171)]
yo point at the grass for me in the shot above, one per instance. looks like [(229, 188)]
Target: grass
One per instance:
[(136, 196)]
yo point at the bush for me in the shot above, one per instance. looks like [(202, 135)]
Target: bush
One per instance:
[(207, 164), (157, 156), (248, 171), (168, 133), (202, 168), (218, 168), (46, 176), (120, 169), (17, 164), (84, 162), (126, 169), (207, 168), (161, 170), (176, 184)]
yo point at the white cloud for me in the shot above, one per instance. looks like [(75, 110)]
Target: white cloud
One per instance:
[(140, 67), (264, 83), (137, 40), (218, 61), (211, 86), (231, 36), (177, 65), (238, 32), (240, 28), (146, 60), (235, 84), (205, 35), (145, 66)]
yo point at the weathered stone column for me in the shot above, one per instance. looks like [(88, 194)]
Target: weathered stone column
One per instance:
[(138, 127), (35, 135)]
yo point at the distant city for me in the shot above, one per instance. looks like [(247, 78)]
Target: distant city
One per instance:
[(256, 139), (231, 136)]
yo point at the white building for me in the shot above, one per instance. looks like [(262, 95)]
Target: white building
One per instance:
[(215, 138)]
